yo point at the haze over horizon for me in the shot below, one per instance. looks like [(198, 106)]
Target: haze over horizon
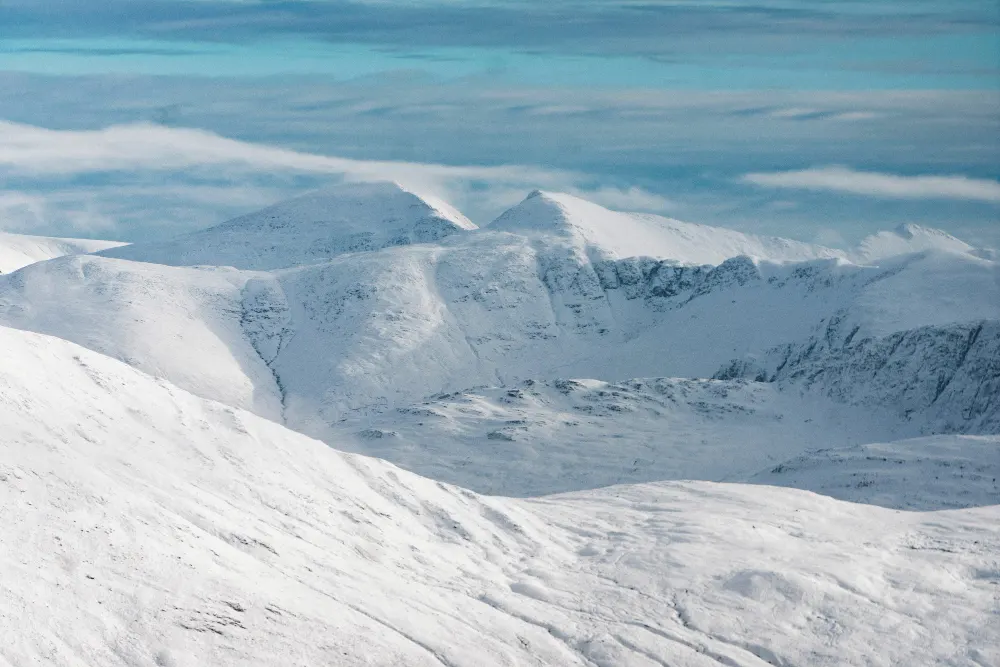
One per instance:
[(822, 122)]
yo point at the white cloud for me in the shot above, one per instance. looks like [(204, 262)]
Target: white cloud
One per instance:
[(42, 151), (181, 161), (875, 184), (31, 212)]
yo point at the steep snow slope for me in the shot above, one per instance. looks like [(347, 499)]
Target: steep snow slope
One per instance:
[(142, 525), (348, 217), (182, 324), (617, 234), (17, 250)]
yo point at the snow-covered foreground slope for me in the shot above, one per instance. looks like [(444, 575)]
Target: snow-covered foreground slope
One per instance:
[(17, 250), (348, 217), (143, 525)]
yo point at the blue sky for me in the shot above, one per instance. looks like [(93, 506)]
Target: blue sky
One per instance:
[(664, 106)]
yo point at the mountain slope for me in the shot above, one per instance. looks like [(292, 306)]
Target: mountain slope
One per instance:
[(945, 378), (381, 330), (617, 234), (360, 342), (17, 250), (348, 217), (178, 323), (143, 525)]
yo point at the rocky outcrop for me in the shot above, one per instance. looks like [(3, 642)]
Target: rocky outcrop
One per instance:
[(947, 377)]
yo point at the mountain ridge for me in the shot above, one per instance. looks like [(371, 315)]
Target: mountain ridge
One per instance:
[(20, 250)]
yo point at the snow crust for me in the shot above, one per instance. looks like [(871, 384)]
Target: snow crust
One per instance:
[(19, 250)]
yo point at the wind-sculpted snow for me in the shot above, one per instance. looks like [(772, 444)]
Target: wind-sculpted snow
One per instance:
[(19, 250), (145, 526), (350, 217)]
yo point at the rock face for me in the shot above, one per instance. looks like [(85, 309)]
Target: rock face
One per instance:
[(948, 378)]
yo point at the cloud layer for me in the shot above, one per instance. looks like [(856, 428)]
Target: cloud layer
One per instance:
[(792, 44), (178, 171), (875, 184)]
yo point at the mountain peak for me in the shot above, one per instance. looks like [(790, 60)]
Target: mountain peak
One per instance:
[(345, 217), (616, 234), (357, 206), (908, 238)]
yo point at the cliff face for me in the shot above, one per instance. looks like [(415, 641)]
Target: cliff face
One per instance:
[(946, 376)]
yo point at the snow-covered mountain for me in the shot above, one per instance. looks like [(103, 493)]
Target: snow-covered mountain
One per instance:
[(910, 238), (18, 250), (610, 233), (143, 525), (367, 342), (163, 503), (348, 217)]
